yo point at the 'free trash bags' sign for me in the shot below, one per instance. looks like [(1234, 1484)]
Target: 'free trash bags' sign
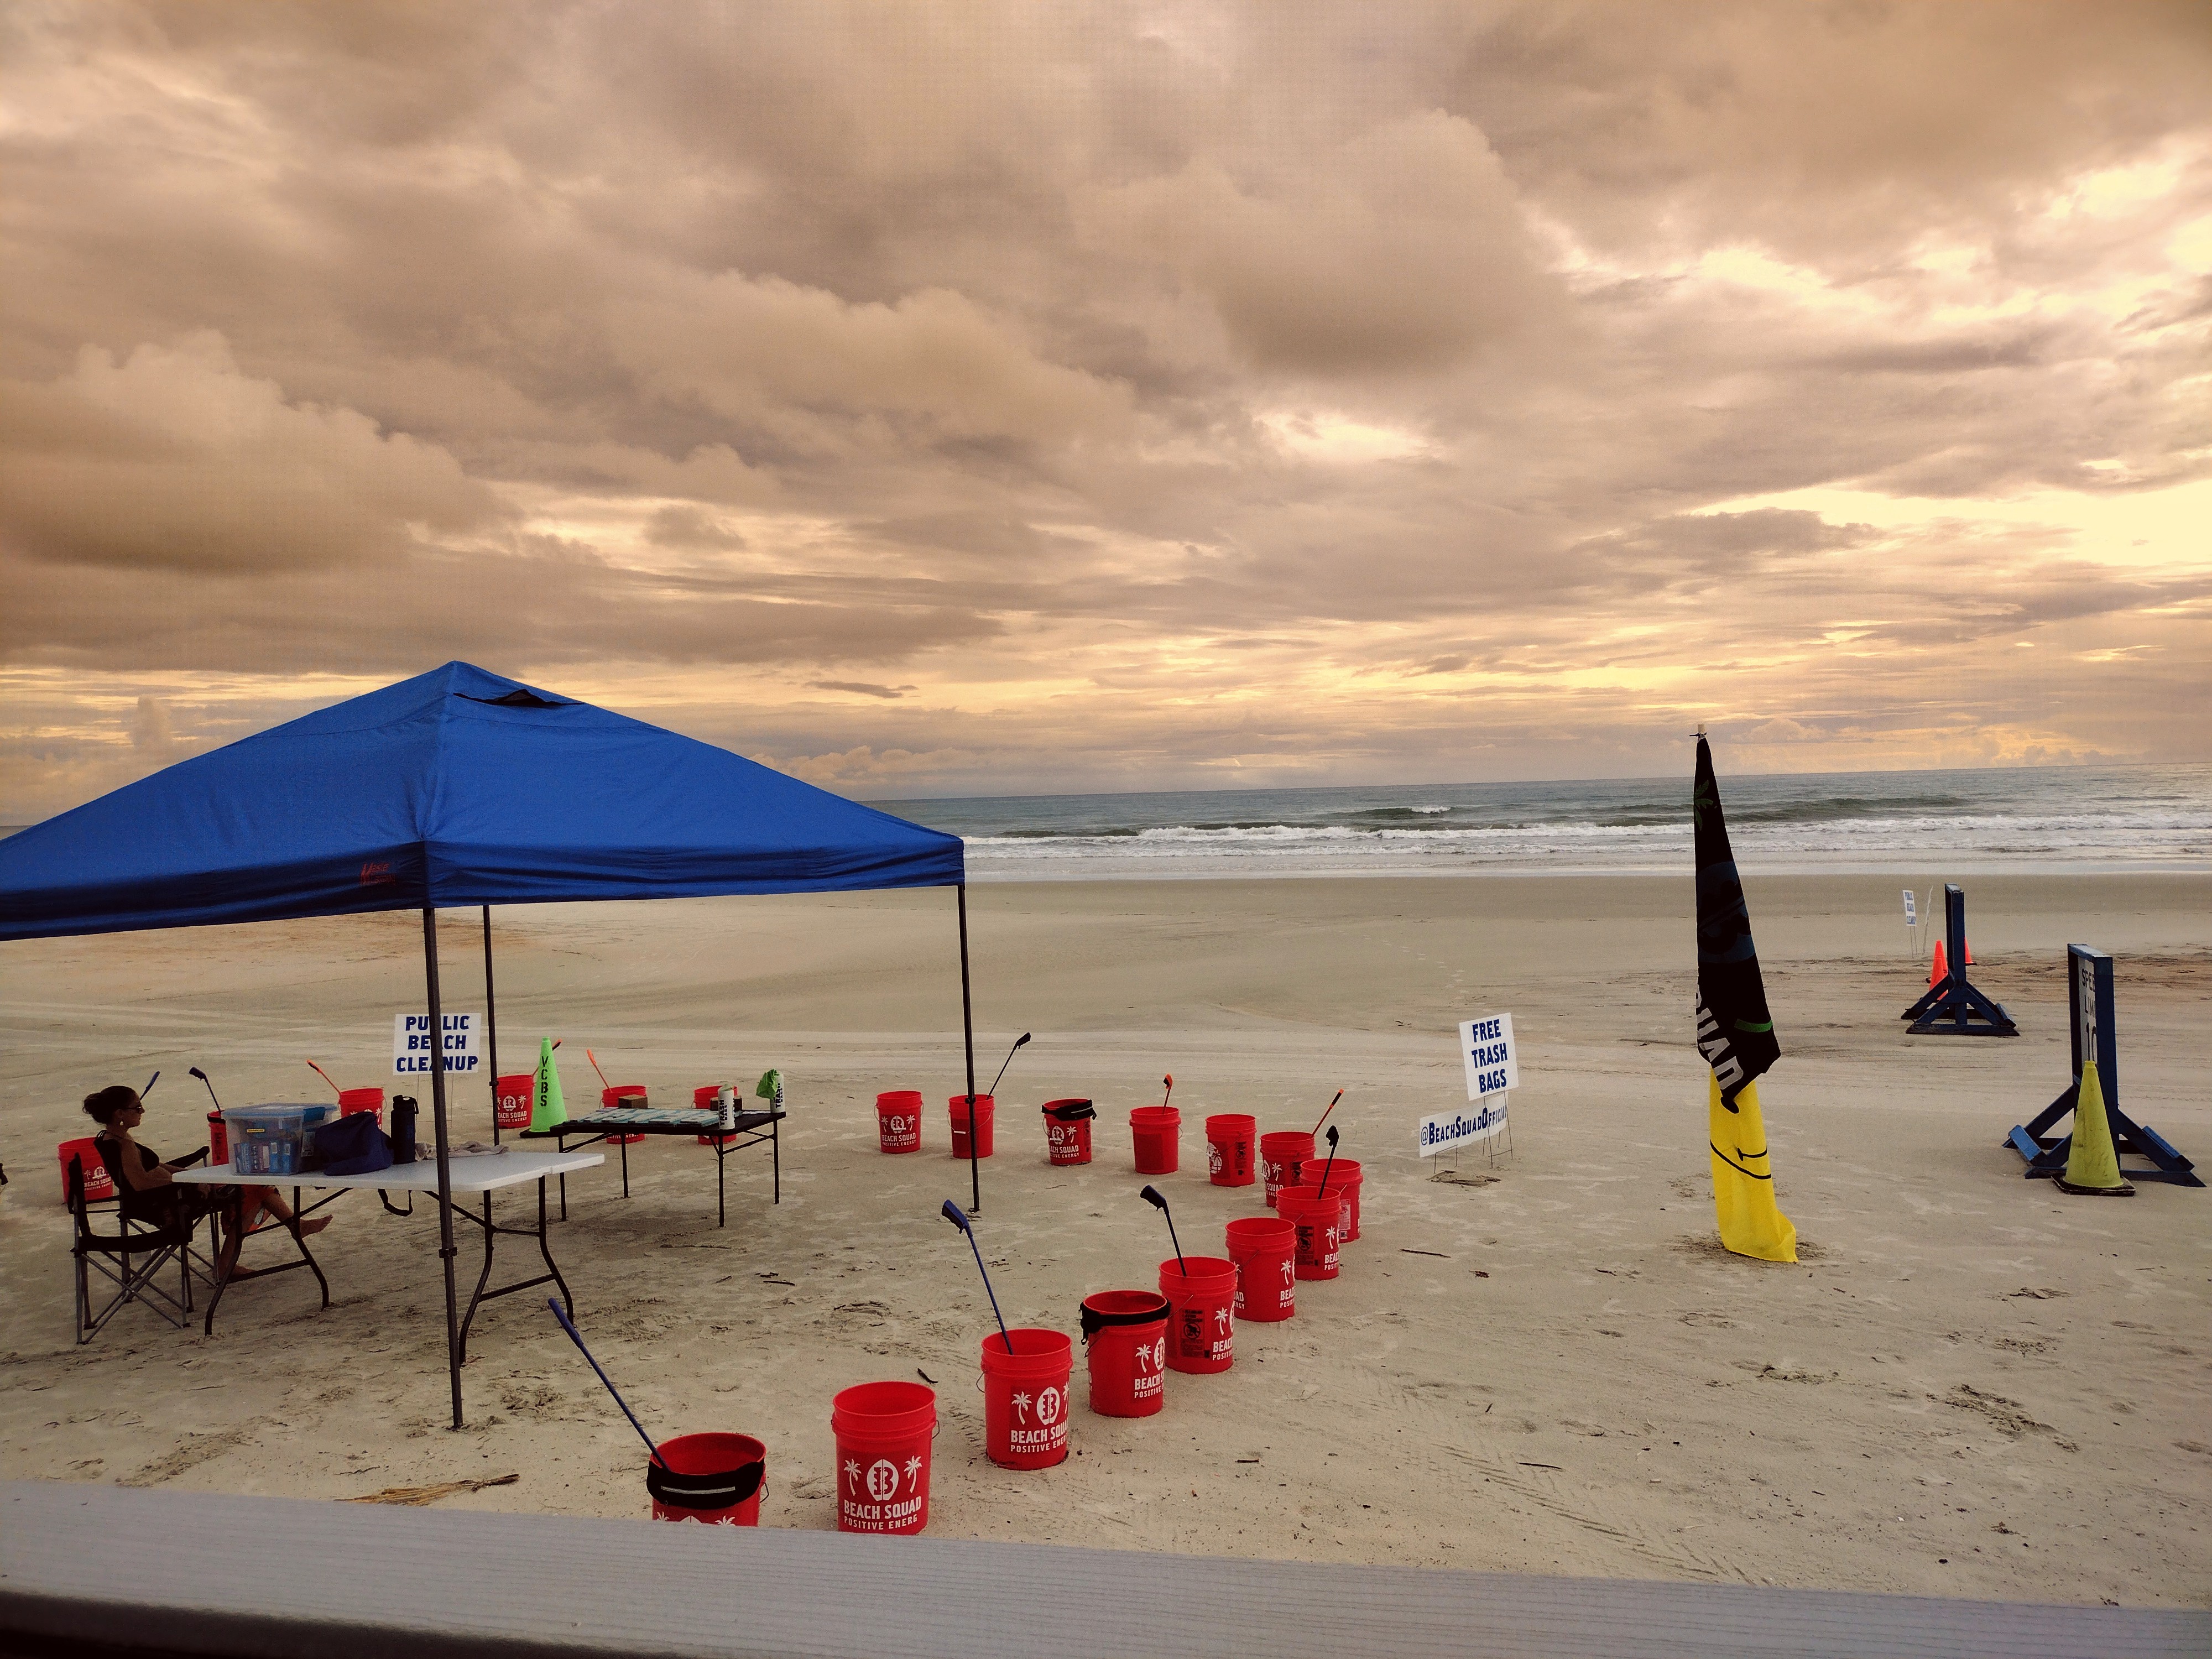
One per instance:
[(1487, 1047), (410, 1042)]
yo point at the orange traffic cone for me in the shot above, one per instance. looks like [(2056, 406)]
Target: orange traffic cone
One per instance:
[(1937, 970)]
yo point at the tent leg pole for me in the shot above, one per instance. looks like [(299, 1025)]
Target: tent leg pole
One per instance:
[(967, 1037), (445, 1251), (491, 1027)]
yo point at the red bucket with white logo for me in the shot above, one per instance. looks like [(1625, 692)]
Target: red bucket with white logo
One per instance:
[(1201, 1304), (1344, 1177), (883, 1431), (1264, 1250), (1319, 1218), (362, 1100), (1127, 1335), (511, 1107), (1230, 1137), (1283, 1157), (1026, 1397), (717, 1478), (898, 1121), (1067, 1131)]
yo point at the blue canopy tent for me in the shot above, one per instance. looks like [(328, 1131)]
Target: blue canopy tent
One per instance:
[(456, 787)]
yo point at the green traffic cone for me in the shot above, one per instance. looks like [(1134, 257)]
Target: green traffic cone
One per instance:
[(2093, 1167), (547, 1109)]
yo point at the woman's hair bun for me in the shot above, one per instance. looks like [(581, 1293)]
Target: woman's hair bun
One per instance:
[(103, 1106)]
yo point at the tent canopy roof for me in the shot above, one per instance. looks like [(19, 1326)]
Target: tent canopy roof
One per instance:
[(456, 787)]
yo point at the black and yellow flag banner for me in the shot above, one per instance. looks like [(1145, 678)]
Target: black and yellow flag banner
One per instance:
[(1735, 1034)]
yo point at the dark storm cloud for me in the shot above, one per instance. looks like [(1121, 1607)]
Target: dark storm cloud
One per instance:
[(1049, 379)]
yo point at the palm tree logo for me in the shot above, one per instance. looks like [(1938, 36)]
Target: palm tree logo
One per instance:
[(1022, 1405), (913, 1471), (853, 1474)]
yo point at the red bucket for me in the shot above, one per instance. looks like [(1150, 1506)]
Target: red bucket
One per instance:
[(1343, 1177), (1319, 1218), (511, 1109), (362, 1100), (1201, 1337), (705, 1098), (1126, 1332), (99, 1185), (1158, 1131), (218, 1141), (883, 1430), (1264, 1250), (1282, 1157), (1229, 1146), (898, 1121), (1067, 1131), (714, 1478), (628, 1095), (1026, 1397), (984, 1108)]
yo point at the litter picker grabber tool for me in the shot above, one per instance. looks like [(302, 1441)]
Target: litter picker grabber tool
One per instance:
[(1019, 1042), (953, 1213), (554, 1303), (1151, 1196)]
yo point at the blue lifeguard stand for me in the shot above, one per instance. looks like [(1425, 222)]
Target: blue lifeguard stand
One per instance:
[(2090, 1008), (1953, 1007)]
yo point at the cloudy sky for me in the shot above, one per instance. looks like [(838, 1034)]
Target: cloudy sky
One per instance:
[(933, 399)]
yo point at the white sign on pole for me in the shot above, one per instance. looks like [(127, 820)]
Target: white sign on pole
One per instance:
[(410, 1042), (1487, 1046), (1442, 1132), (1912, 909)]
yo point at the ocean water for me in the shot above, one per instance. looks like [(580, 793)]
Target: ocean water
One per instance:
[(2112, 818)]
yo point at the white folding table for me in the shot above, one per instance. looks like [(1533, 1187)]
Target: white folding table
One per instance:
[(479, 1175)]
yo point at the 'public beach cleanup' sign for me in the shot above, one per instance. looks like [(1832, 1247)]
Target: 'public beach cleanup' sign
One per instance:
[(410, 1042), (1485, 1045)]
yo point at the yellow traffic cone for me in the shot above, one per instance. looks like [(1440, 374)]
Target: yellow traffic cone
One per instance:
[(2093, 1167)]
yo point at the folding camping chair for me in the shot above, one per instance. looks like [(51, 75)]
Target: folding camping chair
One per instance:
[(112, 1255)]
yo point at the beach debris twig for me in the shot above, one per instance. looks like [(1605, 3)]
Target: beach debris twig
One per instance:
[(415, 1497)]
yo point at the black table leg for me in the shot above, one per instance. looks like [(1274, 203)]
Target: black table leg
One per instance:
[(623, 1141), (721, 1201), (483, 1279), (543, 1250)]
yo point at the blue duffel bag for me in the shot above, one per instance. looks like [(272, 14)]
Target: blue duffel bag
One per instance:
[(353, 1145)]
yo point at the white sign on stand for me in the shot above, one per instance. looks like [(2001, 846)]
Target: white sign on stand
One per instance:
[(410, 1042), (1912, 909), (1445, 1131), (1487, 1047)]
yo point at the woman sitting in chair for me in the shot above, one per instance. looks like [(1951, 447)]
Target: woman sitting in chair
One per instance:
[(147, 1189)]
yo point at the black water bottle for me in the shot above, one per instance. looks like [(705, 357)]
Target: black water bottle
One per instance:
[(403, 1128)]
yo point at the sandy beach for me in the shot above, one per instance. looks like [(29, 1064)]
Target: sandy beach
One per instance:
[(1972, 1386)]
